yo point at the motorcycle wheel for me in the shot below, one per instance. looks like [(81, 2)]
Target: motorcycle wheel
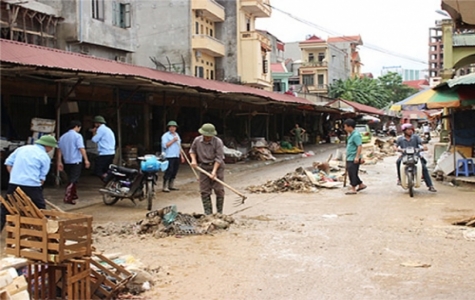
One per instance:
[(108, 199), (150, 194), (410, 184)]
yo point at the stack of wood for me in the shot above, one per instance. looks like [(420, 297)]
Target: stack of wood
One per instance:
[(58, 246)]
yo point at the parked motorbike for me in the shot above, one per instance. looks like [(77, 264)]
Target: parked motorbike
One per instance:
[(411, 169), (126, 183)]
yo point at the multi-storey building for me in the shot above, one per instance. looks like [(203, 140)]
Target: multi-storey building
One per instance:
[(247, 58), (216, 40), (436, 51), (99, 28), (349, 44), (322, 64)]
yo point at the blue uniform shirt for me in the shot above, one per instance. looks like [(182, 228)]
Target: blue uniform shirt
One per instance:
[(352, 144), (30, 164), (174, 150), (105, 140), (69, 144)]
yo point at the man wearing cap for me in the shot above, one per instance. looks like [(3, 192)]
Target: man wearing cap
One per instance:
[(207, 151), (409, 139), (28, 167), (72, 151), (171, 145), (105, 140)]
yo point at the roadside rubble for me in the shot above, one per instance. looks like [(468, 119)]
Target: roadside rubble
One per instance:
[(327, 174), (169, 222)]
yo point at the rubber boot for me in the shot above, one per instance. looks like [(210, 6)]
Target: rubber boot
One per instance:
[(207, 206), (74, 192), (165, 186), (220, 204), (68, 195), (171, 185)]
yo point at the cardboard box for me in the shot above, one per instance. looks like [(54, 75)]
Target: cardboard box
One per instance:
[(466, 151), (43, 125)]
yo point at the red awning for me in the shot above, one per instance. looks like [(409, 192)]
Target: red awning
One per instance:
[(49, 58)]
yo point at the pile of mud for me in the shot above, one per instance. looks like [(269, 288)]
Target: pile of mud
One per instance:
[(296, 181), (168, 222)]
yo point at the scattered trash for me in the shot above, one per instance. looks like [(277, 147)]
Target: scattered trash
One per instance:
[(261, 153), (412, 264)]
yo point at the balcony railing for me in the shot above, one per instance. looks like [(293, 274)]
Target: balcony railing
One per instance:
[(255, 35), (315, 64), (209, 9), (208, 44), (258, 8)]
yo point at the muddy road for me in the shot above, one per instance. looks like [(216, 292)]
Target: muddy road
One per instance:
[(379, 244)]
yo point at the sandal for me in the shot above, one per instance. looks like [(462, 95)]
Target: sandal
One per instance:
[(361, 188)]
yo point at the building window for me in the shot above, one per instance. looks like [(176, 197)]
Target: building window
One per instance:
[(308, 80), (265, 66), (197, 28), (211, 75), (199, 72), (248, 24), (202, 29), (321, 56), (321, 81), (311, 58), (211, 32), (121, 14), (278, 86), (207, 30), (98, 9), (207, 74)]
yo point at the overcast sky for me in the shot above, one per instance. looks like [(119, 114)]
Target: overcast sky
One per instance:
[(400, 26)]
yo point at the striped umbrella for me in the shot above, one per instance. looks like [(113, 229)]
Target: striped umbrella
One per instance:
[(428, 99)]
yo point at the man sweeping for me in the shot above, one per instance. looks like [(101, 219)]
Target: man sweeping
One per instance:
[(207, 151)]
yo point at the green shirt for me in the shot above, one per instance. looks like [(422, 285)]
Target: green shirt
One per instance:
[(352, 144)]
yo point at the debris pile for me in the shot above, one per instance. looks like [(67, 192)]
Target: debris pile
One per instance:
[(261, 153), (297, 181), (466, 222), (169, 222)]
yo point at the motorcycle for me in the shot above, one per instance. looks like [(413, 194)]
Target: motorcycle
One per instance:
[(411, 170), (126, 183)]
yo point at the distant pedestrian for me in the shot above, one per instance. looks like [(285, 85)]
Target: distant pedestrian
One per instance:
[(28, 166), (207, 151), (353, 156), (298, 133), (72, 151), (104, 137), (171, 145)]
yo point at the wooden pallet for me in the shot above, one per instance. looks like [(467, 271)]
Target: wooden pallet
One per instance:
[(107, 277), (69, 280), (55, 238)]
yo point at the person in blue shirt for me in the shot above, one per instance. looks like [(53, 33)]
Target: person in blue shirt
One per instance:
[(354, 145), (72, 151), (171, 145), (28, 166), (105, 140)]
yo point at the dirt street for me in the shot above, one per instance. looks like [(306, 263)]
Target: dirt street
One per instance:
[(379, 244)]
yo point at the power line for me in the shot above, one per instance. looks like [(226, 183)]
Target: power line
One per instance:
[(336, 34)]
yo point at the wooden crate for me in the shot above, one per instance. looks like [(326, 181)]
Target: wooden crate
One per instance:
[(55, 238), (68, 280), (107, 277)]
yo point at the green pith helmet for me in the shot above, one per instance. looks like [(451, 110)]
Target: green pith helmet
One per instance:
[(208, 130), (99, 119), (172, 123), (47, 140)]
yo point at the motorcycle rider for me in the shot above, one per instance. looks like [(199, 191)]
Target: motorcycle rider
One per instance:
[(409, 139)]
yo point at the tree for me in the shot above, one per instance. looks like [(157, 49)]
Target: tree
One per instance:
[(378, 92)]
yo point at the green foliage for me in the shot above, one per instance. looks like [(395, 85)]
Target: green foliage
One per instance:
[(379, 92)]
